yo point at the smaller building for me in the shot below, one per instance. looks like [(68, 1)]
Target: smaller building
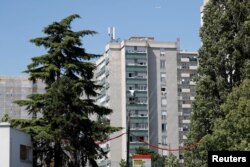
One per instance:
[(140, 160), (15, 147)]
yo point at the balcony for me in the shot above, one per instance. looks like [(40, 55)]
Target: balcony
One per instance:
[(139, 93), (185, 90), (193, 67), (185, 75), (107, 98), (137, 64), (191, 83), (107, 73), (186, 121), (136, 80), (186, 105), (138, 128), (136, 144), (136, 51), (101, 82), (136, 68), (107, 61), (193, 59), (139, 133), (184, 137), (184, 60), (192, 97), (139, 115), (137, 107), (136, 55)]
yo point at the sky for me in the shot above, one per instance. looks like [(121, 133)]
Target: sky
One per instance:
[(22, 20)]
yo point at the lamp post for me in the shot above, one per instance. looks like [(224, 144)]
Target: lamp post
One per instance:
[(131, 101), (128, 136)]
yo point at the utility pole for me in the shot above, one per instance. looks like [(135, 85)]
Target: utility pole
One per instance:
[(131, 101), (128, 137)]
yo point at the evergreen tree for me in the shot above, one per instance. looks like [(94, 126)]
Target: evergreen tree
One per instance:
[(224, 62), (64, 135), (123, 163), (171, 161)]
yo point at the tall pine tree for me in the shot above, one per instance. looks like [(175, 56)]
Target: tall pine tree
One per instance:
[(224, 62), (64, 135)]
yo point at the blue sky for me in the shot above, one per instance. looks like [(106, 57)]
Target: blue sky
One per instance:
[(22, 20)]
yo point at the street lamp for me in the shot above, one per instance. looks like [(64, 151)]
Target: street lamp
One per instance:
[(131, 101)]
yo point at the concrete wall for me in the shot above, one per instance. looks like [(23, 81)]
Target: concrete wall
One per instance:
[(153, 89), (172, 101), (17, 138), (117, 118)]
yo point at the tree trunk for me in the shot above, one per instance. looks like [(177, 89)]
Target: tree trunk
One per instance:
[(57, 155)]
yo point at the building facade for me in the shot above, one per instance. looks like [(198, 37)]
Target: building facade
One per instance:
[(14, 88), (150, 85)]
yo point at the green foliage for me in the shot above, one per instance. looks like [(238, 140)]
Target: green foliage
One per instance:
[(223, 64), (64, 135), (5, 118), (232, 132), (171, 161), (64, 57), (156, 158), (123, 163)]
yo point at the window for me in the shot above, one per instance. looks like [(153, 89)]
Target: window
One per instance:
[(141, 87), (162, 64), (141, 138), (164, 140), (163, 91), (164, 115), (135, 48), (142, 75), (142, 100), (185, 66), (162, 51), (163, 101), (163, 77), (164, 127), (25, 153), (185, 127)]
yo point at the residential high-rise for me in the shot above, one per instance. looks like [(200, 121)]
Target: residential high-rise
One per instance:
[(14, 88), (149, 84)]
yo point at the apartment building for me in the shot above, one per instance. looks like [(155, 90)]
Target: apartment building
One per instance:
[(150, 85), (14, 88)]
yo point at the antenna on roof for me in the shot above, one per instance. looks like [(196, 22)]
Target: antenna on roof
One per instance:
[(178, 43), (111, 33)]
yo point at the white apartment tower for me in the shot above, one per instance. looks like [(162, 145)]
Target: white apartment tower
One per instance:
[(161, 79)]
